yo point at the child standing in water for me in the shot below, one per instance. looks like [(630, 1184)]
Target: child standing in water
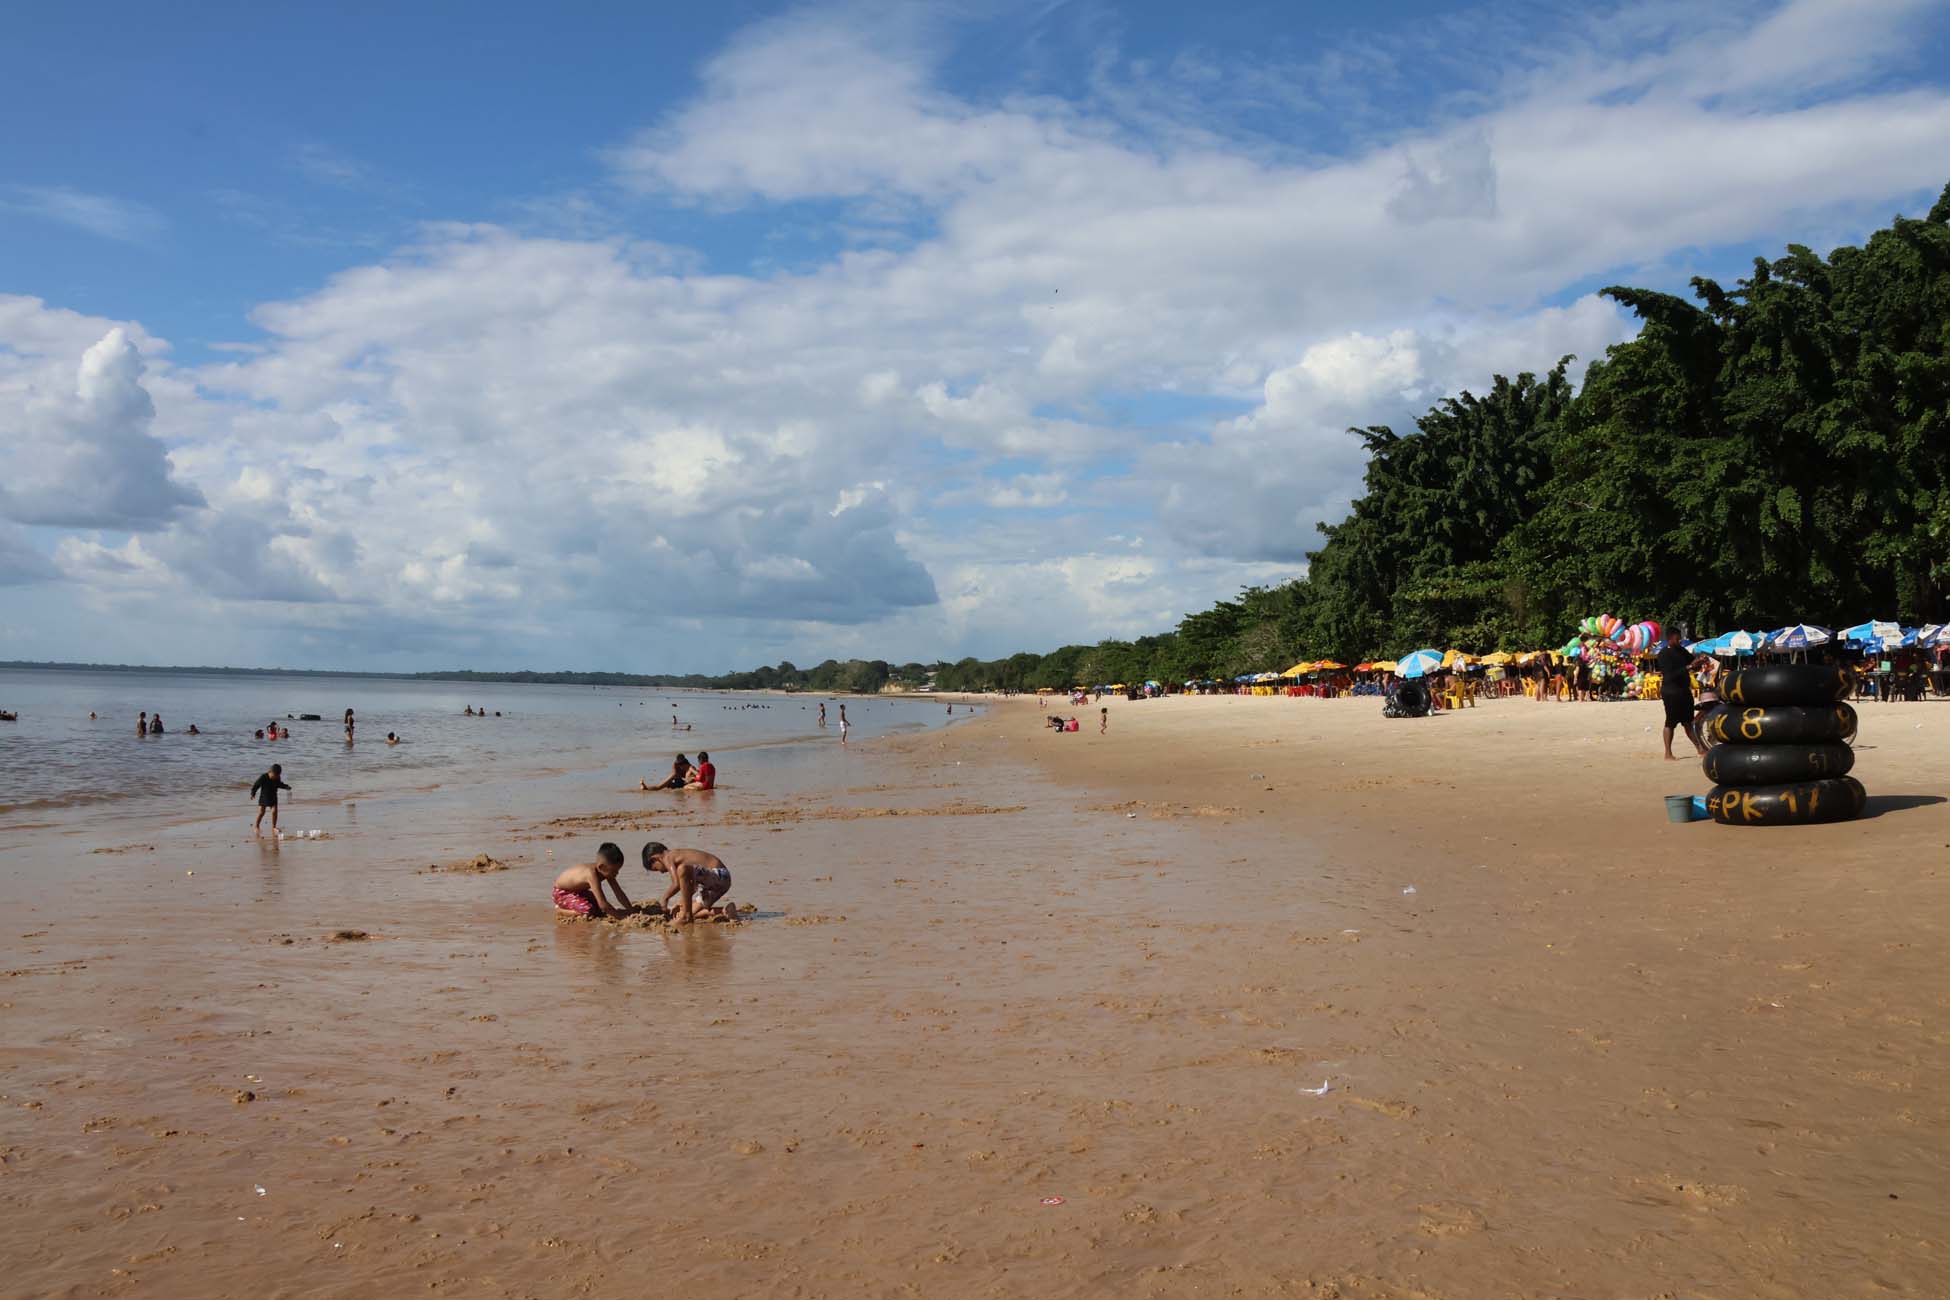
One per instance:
[(699, 880), (265, 790), (579, 890)]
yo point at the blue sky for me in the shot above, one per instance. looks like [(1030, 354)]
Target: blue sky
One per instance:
[(688, 337)]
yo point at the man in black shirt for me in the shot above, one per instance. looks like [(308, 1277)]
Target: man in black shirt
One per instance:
[(1676, 690)]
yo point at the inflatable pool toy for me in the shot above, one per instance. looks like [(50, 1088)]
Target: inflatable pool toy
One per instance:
[(1782, 757), (1775, 764), (1800, 804), (1788, 684), (1783, 724)]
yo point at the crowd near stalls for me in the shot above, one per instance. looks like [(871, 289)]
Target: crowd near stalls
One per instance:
[(1891, 662), (1607, 659)]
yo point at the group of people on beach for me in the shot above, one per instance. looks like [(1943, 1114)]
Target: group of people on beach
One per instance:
[(699, 881), (683, 776)]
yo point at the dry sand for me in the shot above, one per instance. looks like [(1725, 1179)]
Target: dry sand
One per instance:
[(1592, 1054)]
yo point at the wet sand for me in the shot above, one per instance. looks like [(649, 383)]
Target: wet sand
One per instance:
[(1592, 1054)]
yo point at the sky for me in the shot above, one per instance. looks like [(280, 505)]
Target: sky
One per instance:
[(688, 338)]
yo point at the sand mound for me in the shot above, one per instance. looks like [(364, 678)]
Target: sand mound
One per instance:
[(478, 865)]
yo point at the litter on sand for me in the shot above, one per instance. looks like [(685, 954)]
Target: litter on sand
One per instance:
[(1321, 1091), (1052, 1200), (1409, 889), (259, 1189)]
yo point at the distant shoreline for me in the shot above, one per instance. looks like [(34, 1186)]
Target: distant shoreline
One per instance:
[(525, 677)]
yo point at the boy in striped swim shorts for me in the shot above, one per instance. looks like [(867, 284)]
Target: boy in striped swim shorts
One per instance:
[(699, 880)]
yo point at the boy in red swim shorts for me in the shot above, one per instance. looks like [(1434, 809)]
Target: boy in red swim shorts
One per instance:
[(579, 890)]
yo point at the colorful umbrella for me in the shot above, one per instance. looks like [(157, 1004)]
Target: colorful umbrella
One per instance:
[(1420, 663)]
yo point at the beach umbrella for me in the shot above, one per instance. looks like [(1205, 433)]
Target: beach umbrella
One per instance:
[(1327, 665), (1933, 634), (1499, 657), (1298, 670), (1876, 633), (1420, 663), (1799, 637), (1384, 665)]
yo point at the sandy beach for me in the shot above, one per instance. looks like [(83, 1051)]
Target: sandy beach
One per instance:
[(1020, 1014)]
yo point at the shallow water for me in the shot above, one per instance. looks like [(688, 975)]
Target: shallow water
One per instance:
[(56, 763)]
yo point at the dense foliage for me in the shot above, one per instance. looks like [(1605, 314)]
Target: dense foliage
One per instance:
[(1776, 452)]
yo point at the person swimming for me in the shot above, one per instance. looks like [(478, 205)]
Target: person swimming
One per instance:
[(391, 739)]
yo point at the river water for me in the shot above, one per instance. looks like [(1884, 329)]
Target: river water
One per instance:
[(57, 764)]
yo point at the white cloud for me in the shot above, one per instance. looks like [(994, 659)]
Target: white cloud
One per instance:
[(84, 457), (492, 439), (98, 214)]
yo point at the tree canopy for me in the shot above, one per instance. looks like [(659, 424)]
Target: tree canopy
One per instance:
[(1773, 452)]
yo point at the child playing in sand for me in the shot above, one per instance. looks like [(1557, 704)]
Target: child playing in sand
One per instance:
[(701, 880), (579, 890), (265, 791)]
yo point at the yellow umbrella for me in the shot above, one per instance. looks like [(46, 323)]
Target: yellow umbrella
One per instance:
[(1298, 670), (1327, 665), (1500, 657), (1450, 658), (1384, 665)]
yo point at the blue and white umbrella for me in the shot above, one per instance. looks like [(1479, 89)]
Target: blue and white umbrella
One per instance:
[(1933, 635), (1729, 643), (1419, 664), (1873, 633), (1798, 637)]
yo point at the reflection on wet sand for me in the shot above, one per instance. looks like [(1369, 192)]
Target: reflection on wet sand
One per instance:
[(1125, 1029)]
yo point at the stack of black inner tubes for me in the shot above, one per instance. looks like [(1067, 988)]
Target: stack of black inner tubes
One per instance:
[(1780, 751)]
